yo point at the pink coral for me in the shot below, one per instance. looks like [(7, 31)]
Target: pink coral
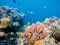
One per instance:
[(36, 32)]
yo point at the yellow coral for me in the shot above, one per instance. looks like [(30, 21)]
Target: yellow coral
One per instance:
[(29, 34), (30, 44), (5, 22), (39, 42), (6, 19)]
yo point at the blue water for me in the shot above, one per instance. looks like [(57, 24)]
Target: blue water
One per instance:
[(35, 10)]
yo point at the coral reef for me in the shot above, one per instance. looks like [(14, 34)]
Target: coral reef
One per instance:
[(16, 17), (53, 25), (36, 32), (11, 21)]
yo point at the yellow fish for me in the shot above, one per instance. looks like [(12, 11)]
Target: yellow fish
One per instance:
[(28, 23)]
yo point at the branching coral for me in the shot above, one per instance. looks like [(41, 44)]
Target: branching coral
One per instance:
[(36, 32)]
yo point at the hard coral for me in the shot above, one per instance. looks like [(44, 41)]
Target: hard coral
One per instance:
[(2, 34), (13, 14), (39, 42), (5, 22), (36, 32)]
